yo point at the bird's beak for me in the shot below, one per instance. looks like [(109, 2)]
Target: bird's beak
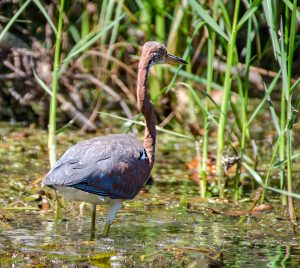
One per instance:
[(173, 60)]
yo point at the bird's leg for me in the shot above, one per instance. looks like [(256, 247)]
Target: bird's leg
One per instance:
[(71, 207), (93, 221), (58, 206), (114, 206), (81, 208), (93, 216)]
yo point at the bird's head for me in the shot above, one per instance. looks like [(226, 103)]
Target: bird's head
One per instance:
[(156, 53)]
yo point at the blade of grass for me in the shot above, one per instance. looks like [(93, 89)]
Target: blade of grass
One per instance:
[(199, 103), (266, 96), (14, 18), (267, 7), (244, 100), (295, 86), (211, 43), (279, 164), (86, 42), (173, 133), (259, 180), (290, 61), (45, 13), (211, 51), (274, 116), (55, 78), (208, 19), (225, 16), (42, 83), (224, 107), (185, 55), (106, 20), (114, 33), (197, 79), (295, 112), (172, 42), (160, 20), (92, 38), (290, 6), (274, 154), (250, 11)]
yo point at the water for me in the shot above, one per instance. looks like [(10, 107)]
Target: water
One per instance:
[(167, 225)]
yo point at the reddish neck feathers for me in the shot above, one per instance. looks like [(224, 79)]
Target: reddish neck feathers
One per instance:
[(144, 105)]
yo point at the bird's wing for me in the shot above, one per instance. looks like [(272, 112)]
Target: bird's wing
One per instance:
[(110, 166)]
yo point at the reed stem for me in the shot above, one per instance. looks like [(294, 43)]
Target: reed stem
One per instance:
[(289, 113), (55, 77), (210, 52), (211, 43), (244, 100), (225, 101)]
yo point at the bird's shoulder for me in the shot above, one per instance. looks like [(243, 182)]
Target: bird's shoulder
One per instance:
[(102, 147), (97, 156)]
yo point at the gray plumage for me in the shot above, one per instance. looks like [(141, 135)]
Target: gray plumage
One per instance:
[(114, 165)]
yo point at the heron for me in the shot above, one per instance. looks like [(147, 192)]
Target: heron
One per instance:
[(111, 169)]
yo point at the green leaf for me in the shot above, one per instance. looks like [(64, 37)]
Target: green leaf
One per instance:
[(290, 6), (258, 179), (208, 19), (42, 83), (193, 77), (278, 164), (274, 116), (295, 112), (267, 6), (254, 174), (45, 13), (143, 124), (294, 86), (283, 192), (266, 96), (185, 54), (13, 19), (86, 42), (200, 105), (285, 81), (250, 11)]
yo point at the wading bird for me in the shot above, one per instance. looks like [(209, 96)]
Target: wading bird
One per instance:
[(113, 168)]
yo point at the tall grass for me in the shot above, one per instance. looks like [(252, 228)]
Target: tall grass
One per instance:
[(225, 101), (244, 101), (289, 146), (55, 78), (211, 44), (234, 36)]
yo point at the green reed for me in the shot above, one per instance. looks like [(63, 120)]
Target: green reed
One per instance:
[(55, 79), (211, 43), (224, 107), (289, 140), (244, 101)]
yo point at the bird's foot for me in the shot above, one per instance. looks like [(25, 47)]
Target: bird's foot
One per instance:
[(106, 229)]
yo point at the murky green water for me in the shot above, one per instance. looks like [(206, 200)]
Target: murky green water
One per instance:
[(165, 226)]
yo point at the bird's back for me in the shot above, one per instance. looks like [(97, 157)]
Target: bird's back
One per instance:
[(115, 166)]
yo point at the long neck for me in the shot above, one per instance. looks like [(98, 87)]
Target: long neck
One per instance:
[(144, 105)]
